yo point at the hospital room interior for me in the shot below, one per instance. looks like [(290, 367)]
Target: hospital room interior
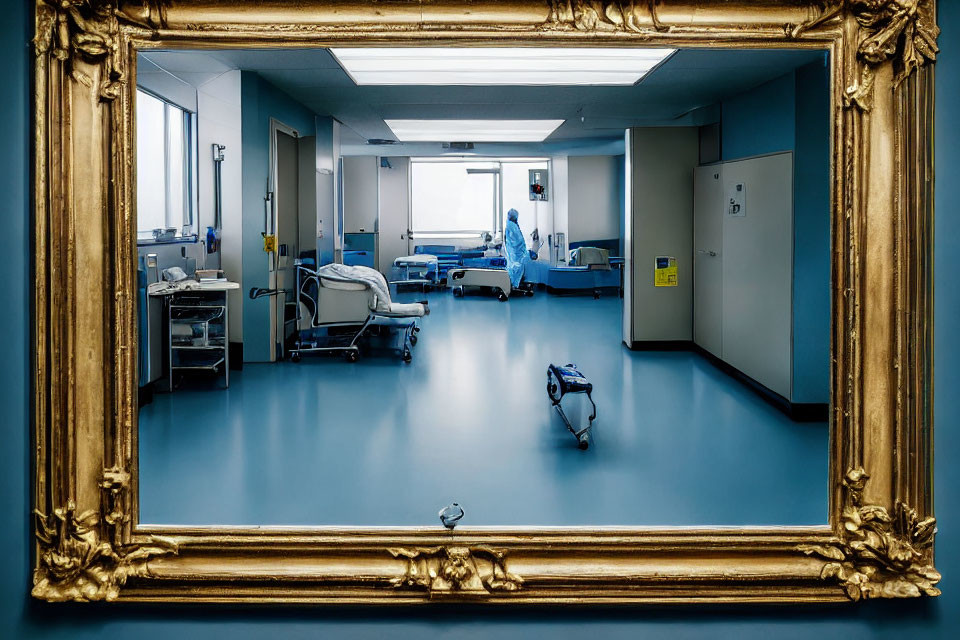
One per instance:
[(541, 284)]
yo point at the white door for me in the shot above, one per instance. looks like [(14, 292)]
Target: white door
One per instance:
[(708, 258), (394, 217), (758, 269)]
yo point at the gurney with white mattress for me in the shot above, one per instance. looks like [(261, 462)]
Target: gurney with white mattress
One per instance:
[(340, 305), (419, 269)]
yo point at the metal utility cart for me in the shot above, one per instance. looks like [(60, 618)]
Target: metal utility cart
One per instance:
[(198, 333)]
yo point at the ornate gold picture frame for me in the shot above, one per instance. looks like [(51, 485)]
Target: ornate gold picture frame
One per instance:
[(879, 540)]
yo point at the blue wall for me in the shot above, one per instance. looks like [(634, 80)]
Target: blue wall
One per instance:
[(791, 113), (759, 121), (20, 617), (260, 101)]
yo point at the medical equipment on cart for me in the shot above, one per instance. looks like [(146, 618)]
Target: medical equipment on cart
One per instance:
[(568, 380), (338, 305)]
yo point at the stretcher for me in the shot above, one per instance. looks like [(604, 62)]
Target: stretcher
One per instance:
[(420, 269), (338, 307), (496, 280)]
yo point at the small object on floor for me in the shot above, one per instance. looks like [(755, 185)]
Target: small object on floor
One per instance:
[(450, 515), (568, 379)]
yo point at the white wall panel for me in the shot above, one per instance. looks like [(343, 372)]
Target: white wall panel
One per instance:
[(360, 194), (662, 161), (708, 258), (758, 271)]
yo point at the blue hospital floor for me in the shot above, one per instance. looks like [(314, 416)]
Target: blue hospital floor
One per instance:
[(379, 442)]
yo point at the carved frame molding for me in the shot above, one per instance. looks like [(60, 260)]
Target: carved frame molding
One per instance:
[(879, 540)]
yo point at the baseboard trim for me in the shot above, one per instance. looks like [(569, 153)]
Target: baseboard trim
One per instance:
[(796, 411), (662, 345), (236, 356), (144, 395)]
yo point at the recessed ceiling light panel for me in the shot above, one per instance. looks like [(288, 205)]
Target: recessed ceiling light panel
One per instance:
[(472, 130), (498, 65)]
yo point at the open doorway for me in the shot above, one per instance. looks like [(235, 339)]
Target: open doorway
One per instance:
[(284, 226)]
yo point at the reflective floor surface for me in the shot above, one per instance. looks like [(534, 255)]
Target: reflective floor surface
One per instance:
[(380, 442)]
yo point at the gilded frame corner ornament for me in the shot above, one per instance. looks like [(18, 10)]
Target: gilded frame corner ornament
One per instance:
[(879, 538)]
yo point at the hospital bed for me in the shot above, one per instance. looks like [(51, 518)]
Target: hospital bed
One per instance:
[(590, 270), (338, 306), (419, 269), (447, 257), (495, 280)]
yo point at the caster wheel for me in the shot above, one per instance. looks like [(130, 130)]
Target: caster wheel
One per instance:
[(583, 444), (413, 339), (295, 357), (596, 295), (502, 297), (352, 356), (407, 357)]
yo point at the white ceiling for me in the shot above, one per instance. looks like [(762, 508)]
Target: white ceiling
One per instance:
[(673, 94)]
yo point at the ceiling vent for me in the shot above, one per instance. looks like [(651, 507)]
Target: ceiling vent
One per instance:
[(380, 141), (458, 146)]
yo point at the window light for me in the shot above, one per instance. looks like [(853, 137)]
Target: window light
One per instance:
[(472, 130), (498, 65)]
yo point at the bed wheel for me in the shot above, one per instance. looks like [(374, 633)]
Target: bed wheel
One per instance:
[(352, 356), (407, 356), (413, 339), (295, 357), (583, 444), (458, 292), (501, 296), (596, 294)]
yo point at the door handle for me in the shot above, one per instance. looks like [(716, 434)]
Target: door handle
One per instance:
[(712, 254)]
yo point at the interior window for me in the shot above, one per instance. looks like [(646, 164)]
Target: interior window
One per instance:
[(165, 184), (454, 199)]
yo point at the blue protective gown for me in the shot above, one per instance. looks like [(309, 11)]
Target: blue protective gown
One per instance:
[(517, 255)]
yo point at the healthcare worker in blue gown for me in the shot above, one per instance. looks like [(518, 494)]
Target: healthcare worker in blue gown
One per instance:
[(516, 249)]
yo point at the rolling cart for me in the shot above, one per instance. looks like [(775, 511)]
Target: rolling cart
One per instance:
[(568, 380)]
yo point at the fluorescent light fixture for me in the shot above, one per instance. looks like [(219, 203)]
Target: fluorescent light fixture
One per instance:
[(472, 130), (498, 65)]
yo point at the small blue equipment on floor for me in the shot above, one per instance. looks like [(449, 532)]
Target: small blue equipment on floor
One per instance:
[(568, 379)]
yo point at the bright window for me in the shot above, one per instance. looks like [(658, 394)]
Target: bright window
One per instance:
[(465, 199), (166, 191), (454, 199)]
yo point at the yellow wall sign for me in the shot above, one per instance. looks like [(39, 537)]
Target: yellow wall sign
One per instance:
[(269, 242), (665, 272)]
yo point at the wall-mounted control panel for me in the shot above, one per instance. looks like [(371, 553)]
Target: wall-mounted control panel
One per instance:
[(538, 184)]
